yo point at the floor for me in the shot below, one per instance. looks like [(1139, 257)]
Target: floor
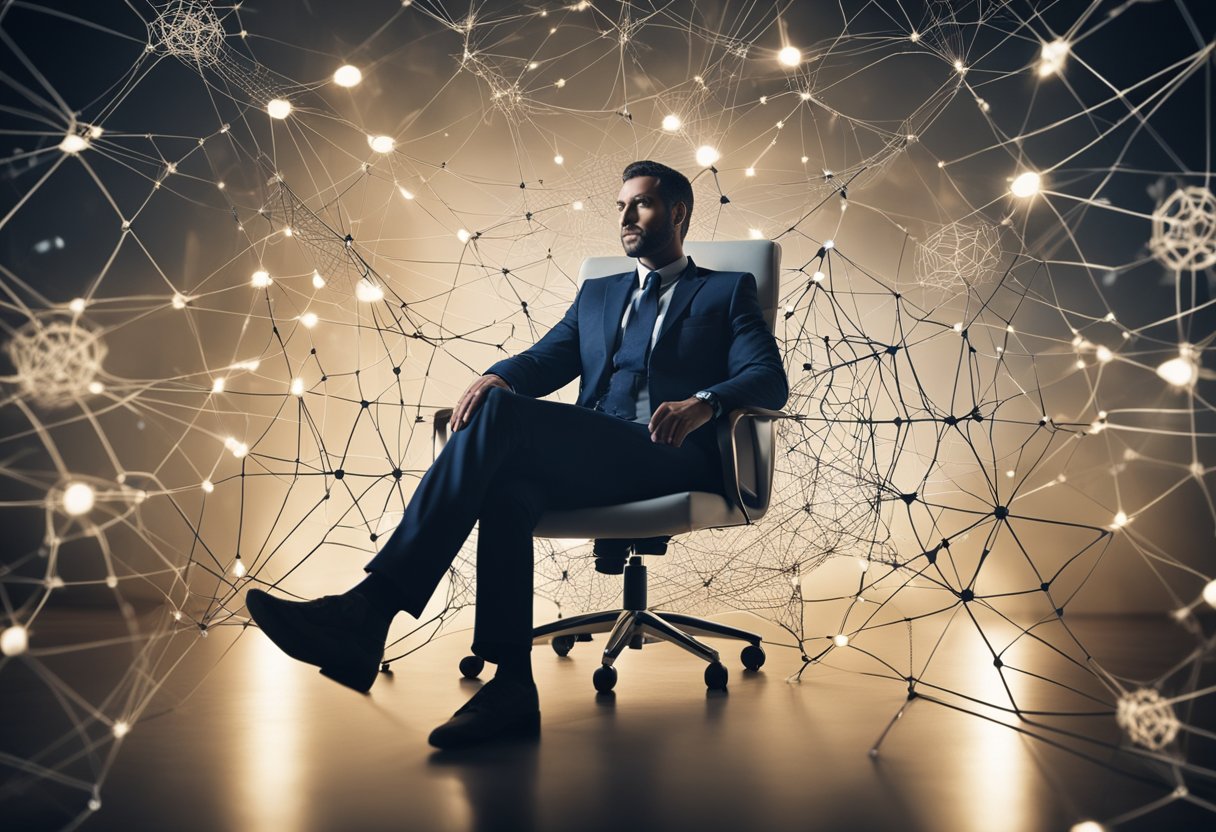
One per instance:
[(265, 744)]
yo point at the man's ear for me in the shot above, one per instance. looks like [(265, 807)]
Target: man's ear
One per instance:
[(679, 213)]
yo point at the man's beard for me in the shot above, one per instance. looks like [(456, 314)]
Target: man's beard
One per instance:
[(646, 244)]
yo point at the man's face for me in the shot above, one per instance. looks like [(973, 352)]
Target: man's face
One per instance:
[(647, 224)]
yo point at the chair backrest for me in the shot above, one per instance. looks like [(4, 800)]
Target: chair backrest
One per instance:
[(760, 257), (756, 453)]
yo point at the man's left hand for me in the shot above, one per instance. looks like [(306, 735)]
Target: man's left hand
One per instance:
[(672, 421)]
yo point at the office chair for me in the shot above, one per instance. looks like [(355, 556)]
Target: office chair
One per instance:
[(747, 442)]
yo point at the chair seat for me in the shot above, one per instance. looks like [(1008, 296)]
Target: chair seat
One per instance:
[(686, 511)]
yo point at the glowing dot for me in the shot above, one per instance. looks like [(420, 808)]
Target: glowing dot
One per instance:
[(1087, 826), (121, 728), (297, 387), (1120, 520), (367, 291), (533, 65), (278, 108), (111, 581), (789, 56), (260, 279), (177, 615), (238, 568), (73, 144), (841, 640), (1209, 593), (309, 319), (236, 448), (863, 564), (749, 172), (829, 244), (1026, 184), (1196, 469), (755, 233), (958, 327), (287, 232), (1052, 57), (577, 205), (1180, 371), (77, 305), (805, 95), (96, 387), (405, 192), (818, 277), (958, 66), (914, 37), (462, 235), (217, 386), (381, 144), (559, 159), (14, 640), (318, 282), (1010, 473), (208, 486), (179, 300), (806, 159), (559, 83), (671, 122), (78, 498), (347, 76), (95, 132), (707, 156), (1104, 354)]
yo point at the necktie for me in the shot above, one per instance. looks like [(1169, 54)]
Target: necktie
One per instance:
[(629, 362)]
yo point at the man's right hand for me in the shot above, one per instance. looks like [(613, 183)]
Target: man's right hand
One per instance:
[(471, 400)]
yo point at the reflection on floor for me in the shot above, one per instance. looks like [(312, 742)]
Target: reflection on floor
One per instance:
[(268, 745)]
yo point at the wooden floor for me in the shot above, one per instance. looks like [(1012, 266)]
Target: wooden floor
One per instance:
[(265, 744)]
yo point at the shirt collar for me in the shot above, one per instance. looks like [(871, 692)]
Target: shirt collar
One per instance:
[(667, 274)]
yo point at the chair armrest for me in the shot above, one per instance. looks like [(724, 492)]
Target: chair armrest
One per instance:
[(443, 421), (747, 464)]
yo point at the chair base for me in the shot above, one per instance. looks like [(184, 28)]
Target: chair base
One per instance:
[(626, 627)]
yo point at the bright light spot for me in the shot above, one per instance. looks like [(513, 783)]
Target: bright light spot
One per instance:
[(789, 56), (1209, 593), (818, 277), (1010, 473), (559, 83), (1120, 520), (95, 387), (208, 486), (755, 233), (958, 327), (73, 144), (841, 640), (1196, 469), (278, 108), (559, 159), (77, 305), (297, 387), (78, 498), (405, 192), (381, 144), (1104, 354), (707, 156), (238, 449), (749, 172), (806, 159), (804, 95), (238, 568), (347, 76), (1052, 58), (95, 132), (863, 564), (14, 640), (1026, 184), (318, 282), (829, 244), (914, 37), (121, 728), (1087, 826), (309, 319), (533, 65), (1180, 371), (287, 232), (462, 235), (261, 279), (671, 122), (179, 300), (217, 386), (367, 291)]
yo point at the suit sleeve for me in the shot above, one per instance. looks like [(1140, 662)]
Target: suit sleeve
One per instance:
[(549, 364), (756, 376)]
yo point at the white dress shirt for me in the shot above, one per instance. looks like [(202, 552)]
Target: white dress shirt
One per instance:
[(669, 276)]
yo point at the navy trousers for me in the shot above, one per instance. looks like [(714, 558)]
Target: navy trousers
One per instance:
[(516, 458)]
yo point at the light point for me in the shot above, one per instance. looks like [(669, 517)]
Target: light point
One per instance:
[(77, 305), (1180, 371), (707, 155), (841, 640), (463, 235), (297, 387), (217, 386), (789, 56), (367, 291), (1209, 593), (318, 282), (559, 159), (278, 108), (671, 122), (14, 640), (208, 486), (73, 144), (347, 76), (121, 728), (382, 144), (755, 233), (1025, 184), (260, 279), (309, 320)]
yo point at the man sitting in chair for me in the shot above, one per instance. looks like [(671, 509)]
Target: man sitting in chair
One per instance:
[(661, 353)]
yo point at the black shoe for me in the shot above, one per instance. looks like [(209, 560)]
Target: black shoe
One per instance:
[(502, 709), (338, 633)]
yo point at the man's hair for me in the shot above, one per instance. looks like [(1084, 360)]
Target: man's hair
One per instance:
[(673, 186)]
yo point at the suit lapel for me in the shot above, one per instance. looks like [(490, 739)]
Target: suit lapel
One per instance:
[(616, 296), (689, 284)]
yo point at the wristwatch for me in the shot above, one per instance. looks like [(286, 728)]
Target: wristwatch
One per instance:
[(711, 399)]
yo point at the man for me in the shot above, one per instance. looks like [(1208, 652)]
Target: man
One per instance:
[(661, 352)]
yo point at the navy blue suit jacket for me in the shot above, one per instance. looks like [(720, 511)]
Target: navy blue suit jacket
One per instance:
[(713, 337)]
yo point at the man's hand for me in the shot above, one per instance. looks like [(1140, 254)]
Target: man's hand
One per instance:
[(672, 421), (471, 400)]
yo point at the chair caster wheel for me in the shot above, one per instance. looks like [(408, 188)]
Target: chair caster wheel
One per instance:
[(753, 657), (604, 678), (716, 676), (471, 666), (563, 644)]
